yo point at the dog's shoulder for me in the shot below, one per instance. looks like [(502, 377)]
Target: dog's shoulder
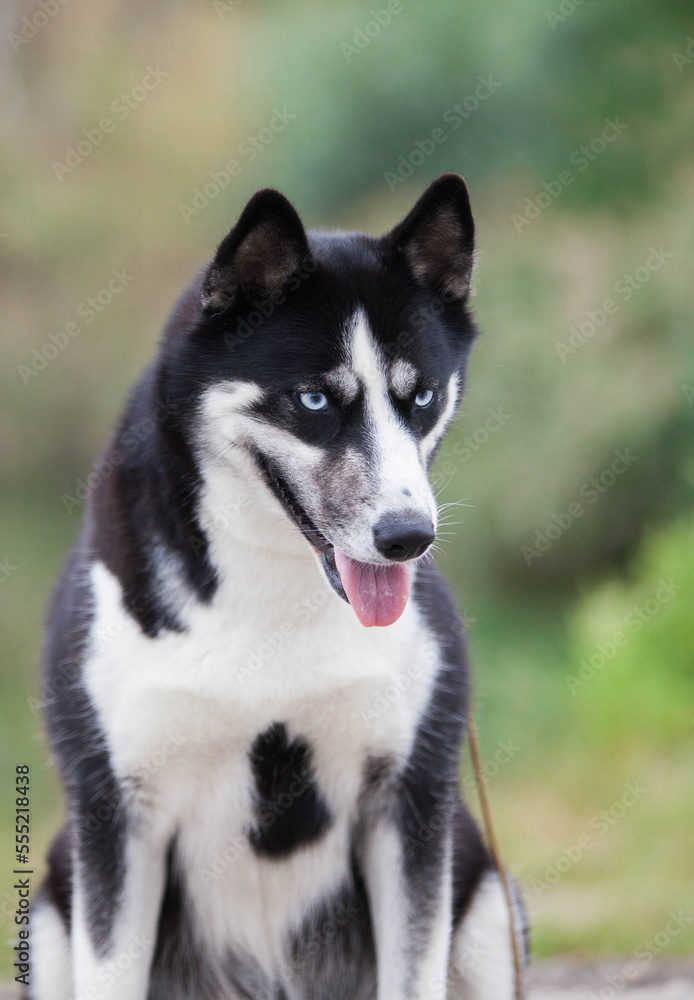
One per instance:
[(439, 609)]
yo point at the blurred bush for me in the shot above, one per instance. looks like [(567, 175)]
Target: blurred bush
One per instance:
[(586, 359), (632, 650)]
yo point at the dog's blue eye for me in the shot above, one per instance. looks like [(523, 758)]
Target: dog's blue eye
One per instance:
[(314, 400), (424, 397)]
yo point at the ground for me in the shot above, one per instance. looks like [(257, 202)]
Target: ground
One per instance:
[(572, 979), (569, 979)]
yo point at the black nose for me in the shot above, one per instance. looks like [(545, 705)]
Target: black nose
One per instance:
[(402, 538)]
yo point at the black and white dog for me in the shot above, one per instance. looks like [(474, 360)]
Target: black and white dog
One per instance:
[(263, 789)]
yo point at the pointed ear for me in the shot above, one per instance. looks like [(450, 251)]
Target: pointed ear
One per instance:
[(437, 238), (259, 255)]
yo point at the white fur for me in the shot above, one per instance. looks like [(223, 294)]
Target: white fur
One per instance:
[(430, 440), (432, 971), (51, 977), (384, 871), (481, 954), (392, 916), (403, 378), (232, 483), (124, 970), (344, 382), (219, 684), (399, 464)]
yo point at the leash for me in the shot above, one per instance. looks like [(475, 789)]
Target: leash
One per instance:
[(496, 855)]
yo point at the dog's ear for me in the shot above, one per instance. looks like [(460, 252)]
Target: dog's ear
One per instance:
[(437, 238), (265, 247)]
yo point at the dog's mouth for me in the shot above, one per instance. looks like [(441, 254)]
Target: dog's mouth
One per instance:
[(377, 593)]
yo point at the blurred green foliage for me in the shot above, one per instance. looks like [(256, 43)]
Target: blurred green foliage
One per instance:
[(632, 639), (584, 301)]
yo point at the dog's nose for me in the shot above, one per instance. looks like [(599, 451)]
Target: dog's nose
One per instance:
[(402, 538)]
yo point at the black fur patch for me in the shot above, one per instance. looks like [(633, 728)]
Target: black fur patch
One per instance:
[(290, 809), (183, 966), (470, 861), (150, 496), (57, 886), (429, 793), (430, 777), (333, 954), (98, 818)]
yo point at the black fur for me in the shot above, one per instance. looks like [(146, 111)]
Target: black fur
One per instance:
[(290, 809), (430, 777), (57, 886), (98, 818), (336, 936), (182, 965), (149, 496)]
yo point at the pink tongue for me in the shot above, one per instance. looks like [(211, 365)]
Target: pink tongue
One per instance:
[(378, 594)]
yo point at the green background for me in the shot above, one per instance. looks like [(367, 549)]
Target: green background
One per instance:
[(583, 651)]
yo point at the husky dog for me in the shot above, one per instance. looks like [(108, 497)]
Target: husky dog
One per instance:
[(257, 687)]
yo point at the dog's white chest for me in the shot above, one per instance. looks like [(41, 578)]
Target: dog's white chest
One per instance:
[(192, 716)]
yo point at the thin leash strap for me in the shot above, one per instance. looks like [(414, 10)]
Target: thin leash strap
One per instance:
[(496, 855)]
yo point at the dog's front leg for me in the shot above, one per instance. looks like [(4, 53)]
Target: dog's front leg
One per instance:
[(409, 882), (119, 874)]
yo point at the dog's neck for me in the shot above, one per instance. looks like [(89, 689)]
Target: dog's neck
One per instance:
[(257, 551)]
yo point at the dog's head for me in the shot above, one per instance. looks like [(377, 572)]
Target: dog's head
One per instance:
[(330, 367)]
